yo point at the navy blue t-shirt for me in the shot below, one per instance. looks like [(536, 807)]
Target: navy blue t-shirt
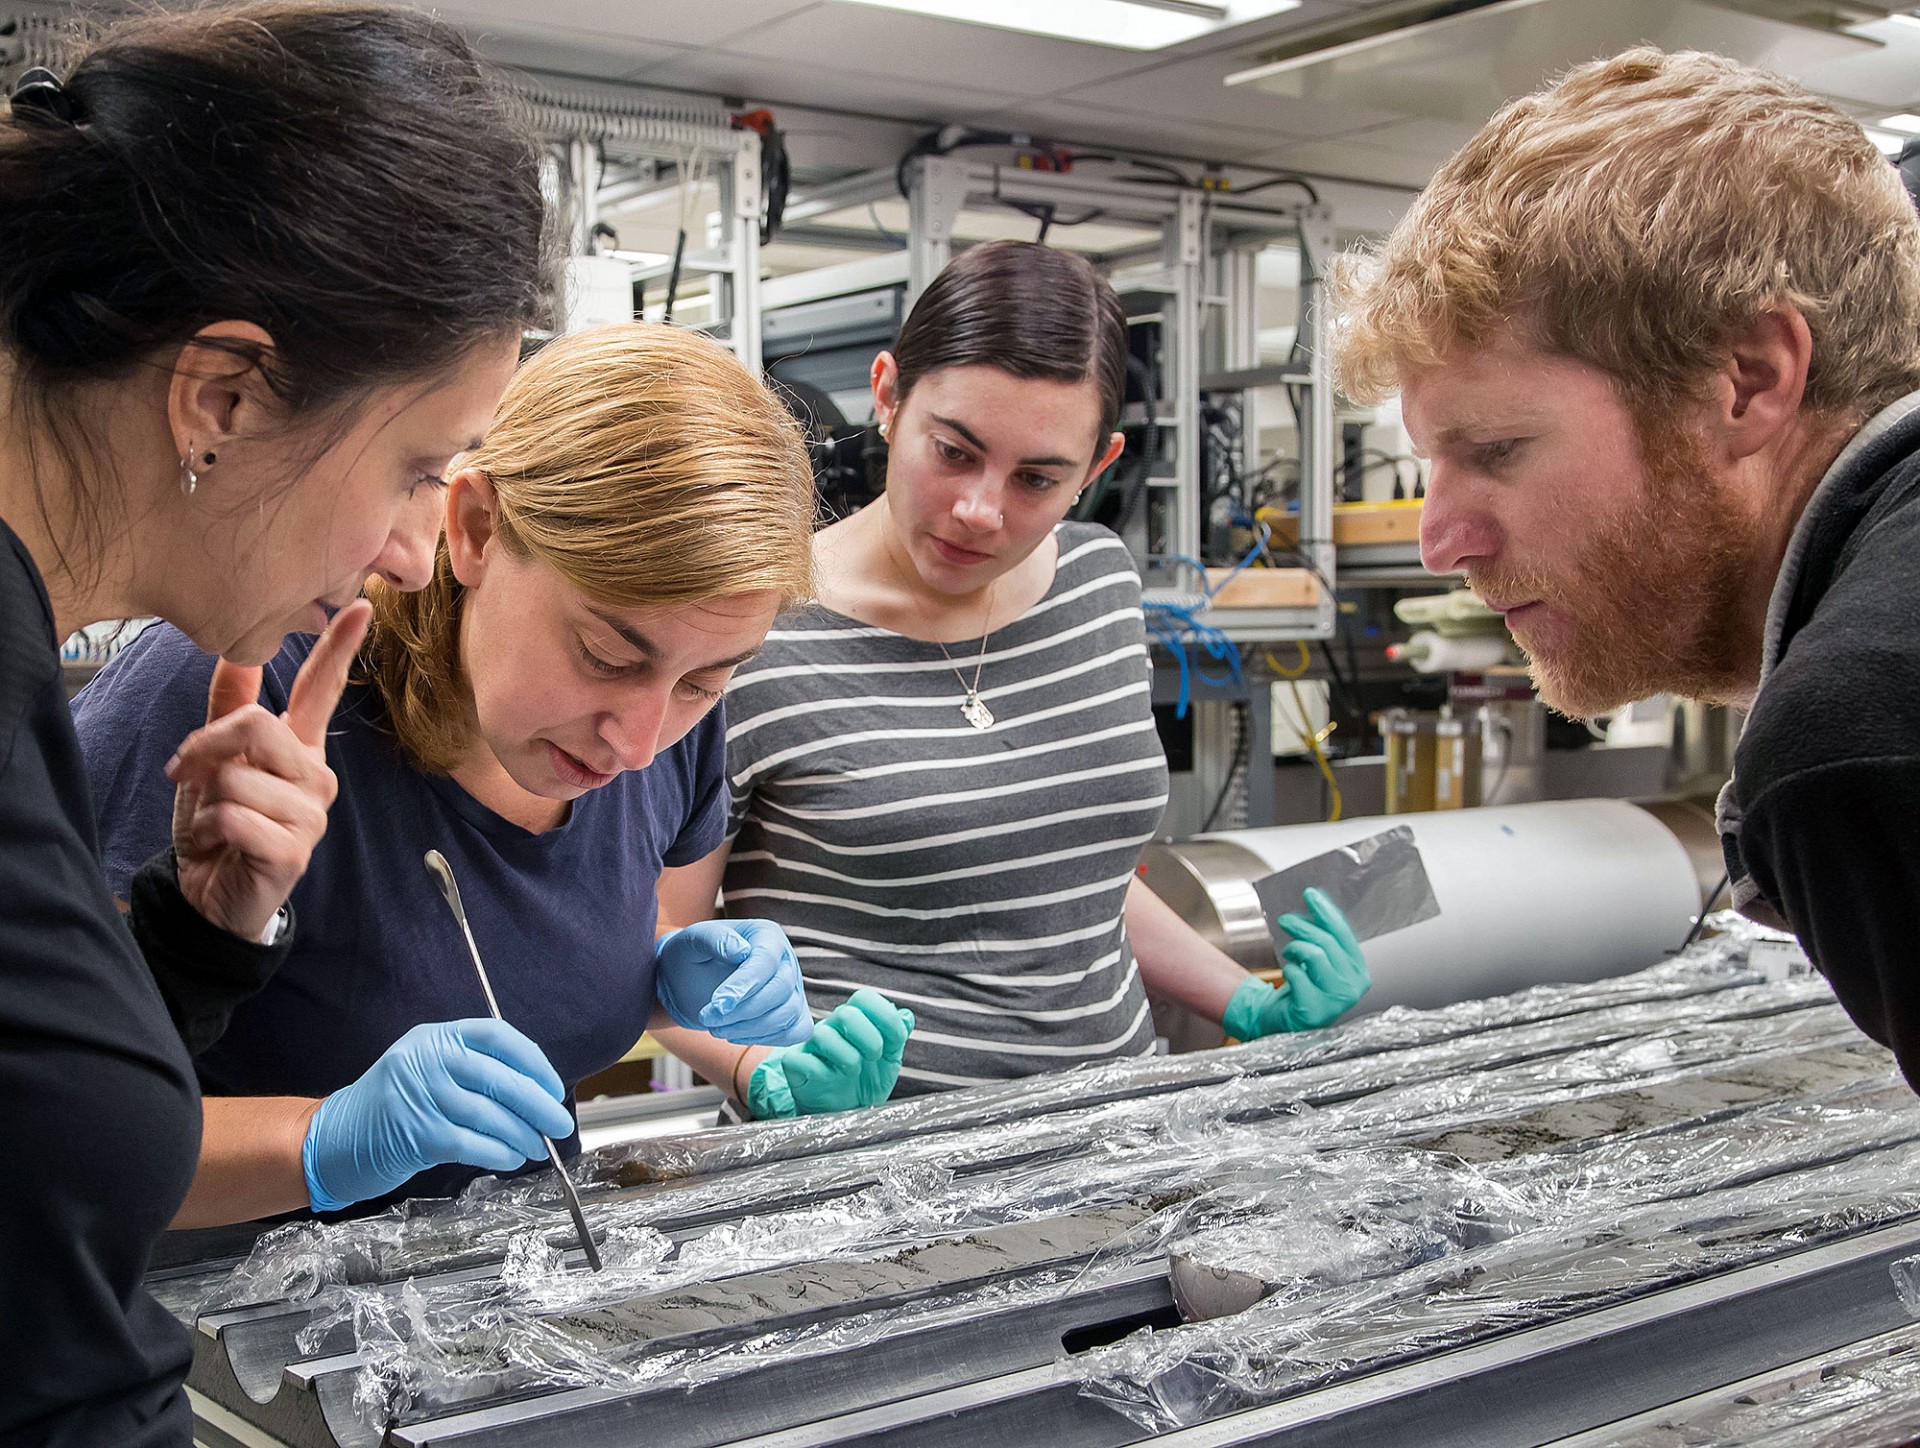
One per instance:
[(564, 919)]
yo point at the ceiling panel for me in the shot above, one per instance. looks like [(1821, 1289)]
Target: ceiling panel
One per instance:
[(1348, 116), (707, 23), (1881, 80), (569, 52), (772, 79), (935, 52), (1405, 165), (1119, 125), (1193, 90)]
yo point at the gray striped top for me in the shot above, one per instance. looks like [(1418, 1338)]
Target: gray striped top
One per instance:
[(975, 877)]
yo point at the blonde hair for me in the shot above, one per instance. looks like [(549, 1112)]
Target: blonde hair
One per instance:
[(1636, 216), (642, 463)]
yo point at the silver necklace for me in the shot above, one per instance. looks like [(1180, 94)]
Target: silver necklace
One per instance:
[(973, 708)]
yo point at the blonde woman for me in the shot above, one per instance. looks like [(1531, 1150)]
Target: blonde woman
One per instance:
[(543, 714)]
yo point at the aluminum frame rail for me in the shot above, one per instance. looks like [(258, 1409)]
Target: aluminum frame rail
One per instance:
[(1001, 1344), (584, 123)]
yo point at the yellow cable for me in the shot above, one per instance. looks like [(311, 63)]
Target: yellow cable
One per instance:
[(1306, 662), (1311, 741)]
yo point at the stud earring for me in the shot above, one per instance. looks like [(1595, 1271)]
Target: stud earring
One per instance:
[(883, 430)]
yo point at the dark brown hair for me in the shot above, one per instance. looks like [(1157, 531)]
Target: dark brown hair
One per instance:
[(1029, 310), (345, 175)]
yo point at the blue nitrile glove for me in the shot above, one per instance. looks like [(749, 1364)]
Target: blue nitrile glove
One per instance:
[(1325, 974), (851, 1059), (472, 1091), (735, 978)]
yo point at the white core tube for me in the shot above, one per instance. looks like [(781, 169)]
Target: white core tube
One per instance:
[(1532, 893)]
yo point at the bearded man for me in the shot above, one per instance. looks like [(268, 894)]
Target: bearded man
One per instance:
[(1657, 329)]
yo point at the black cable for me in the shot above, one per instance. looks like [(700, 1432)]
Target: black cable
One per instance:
[(1347, 689), (673, 277), (1298, 552), (1063, 158), (1241, 762), (1168, 174), (931, 145), (1705, 910), (1305, 185), (777, 168), (1353, 667), (1381, 459), (1136, 486)]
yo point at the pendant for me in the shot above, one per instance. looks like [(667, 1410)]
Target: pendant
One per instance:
[(975, 712)]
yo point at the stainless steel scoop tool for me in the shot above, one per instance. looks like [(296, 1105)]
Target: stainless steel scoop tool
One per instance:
[(438, 867)]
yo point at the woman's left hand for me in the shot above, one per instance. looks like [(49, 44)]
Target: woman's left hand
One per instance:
[(1326, 973), (252, 788)]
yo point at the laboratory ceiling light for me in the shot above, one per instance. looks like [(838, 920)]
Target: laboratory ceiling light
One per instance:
[(1126, 24), (1906, 123)]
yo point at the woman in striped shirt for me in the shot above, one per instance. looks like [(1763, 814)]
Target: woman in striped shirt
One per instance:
[(944, 770)]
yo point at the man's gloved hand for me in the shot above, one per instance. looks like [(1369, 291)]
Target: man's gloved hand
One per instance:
[(851, 1059), (473, 1091), (735, 978), (1325, 974)]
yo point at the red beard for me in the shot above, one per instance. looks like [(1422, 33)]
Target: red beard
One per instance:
[(1652, 604)]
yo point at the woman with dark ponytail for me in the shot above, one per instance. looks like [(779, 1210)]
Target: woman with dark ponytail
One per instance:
[(263, 272), (945, 769)]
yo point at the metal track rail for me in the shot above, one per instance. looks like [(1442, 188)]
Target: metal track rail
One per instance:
[(1525, 1389)]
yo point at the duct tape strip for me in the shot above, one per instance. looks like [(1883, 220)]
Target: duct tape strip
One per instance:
[(1380, 884)]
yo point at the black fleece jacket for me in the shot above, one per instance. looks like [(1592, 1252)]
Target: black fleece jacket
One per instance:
[(1821, 822)]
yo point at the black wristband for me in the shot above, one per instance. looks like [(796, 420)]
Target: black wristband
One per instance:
[(202, 970)]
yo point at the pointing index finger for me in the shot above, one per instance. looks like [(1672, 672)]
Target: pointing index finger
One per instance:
[(323, 678)]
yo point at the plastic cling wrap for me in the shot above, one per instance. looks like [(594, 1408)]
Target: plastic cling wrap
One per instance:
[(1448, 1080), (1492, 1248), (1390, 1249), (1327, 1202), (1715, 964)]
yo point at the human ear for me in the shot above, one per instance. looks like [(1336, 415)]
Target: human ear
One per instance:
[(470, 524), (1116, 445), (885, 378), (217, 390), (1759, 388)]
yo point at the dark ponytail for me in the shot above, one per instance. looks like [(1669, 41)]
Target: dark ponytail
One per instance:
[(346, 176), (1031, 311)]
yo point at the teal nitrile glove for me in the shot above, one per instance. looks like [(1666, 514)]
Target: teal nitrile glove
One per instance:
[(472, 1091), (851, 1059), (735, 978), (1326, 974)]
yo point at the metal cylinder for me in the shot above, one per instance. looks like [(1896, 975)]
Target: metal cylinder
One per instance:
[(1570, 890)]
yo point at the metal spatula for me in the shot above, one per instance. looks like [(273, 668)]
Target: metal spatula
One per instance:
[(438, 867)]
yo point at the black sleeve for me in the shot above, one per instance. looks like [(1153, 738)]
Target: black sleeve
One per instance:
[(203, 971), (1837, 847)]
